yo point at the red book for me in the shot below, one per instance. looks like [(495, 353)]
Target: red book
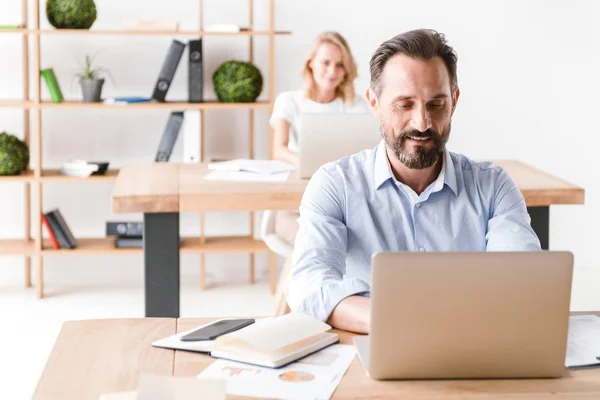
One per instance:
[(55, 245)]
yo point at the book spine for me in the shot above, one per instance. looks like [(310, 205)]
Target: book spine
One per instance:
[(167, 71), (53, 241), (53, 86), (60, 235), (64, 228), (195, 62), (169, 137)]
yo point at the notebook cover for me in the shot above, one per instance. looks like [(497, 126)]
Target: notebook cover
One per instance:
[(64, 227), (58, 232), (53, 241), (53, 86), (281, 357)]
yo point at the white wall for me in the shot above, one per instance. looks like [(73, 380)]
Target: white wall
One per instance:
[(528, 73)]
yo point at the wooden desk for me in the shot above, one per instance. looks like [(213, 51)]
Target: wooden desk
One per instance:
[(162, 190), (99, 356)]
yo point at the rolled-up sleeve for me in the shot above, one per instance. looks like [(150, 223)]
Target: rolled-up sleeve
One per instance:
[(316, 283), (509, 228)]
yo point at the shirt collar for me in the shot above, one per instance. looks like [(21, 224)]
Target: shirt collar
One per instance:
[(383, 170), (450, 173)]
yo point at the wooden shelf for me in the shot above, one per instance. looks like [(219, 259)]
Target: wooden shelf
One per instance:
[(148, 32), (207, 105), (11, 30), (55, 176), (224, 244), (15, 104), (17, 247), (26, 176), (189, 245)]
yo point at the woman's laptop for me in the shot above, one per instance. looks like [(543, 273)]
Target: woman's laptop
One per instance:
[(325, 137), (468, 315)]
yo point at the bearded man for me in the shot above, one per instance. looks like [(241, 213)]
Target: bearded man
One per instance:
[(407, 194)]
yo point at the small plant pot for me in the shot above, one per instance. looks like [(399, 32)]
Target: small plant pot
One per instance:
[(91, 89)]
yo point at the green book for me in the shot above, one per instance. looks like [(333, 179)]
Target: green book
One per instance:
[(53, 86)]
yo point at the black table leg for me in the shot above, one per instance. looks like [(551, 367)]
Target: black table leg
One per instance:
[(540, 222), (161, 264)]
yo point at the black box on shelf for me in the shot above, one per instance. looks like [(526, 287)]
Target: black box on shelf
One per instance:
[(124, 229)]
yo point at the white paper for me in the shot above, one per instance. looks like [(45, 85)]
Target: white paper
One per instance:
[(130, 395), (241, 176), (583, 345), (158, 387), (313, 377), (273, 334), (264, 167)]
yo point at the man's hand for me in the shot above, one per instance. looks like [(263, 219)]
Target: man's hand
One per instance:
[(352, 314)]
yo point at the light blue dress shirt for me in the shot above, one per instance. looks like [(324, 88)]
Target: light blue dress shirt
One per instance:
[(354, 207)]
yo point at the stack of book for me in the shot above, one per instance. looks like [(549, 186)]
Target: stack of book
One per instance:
[(58, 230)]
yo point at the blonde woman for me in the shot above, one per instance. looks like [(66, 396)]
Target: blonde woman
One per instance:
[(329, 73)]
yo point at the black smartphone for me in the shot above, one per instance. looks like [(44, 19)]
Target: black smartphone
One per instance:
[(216, 329)]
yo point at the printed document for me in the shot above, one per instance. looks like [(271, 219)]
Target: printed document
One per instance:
[(583, 345), (313, 377)]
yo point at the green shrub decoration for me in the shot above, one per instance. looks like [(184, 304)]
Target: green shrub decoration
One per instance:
[(71, 14), (14, 155), (237, 82)]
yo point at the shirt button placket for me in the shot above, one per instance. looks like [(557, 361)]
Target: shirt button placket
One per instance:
[(417, 206)]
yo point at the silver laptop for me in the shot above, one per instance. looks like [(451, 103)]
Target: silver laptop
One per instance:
[(325, 137), (468, 315)]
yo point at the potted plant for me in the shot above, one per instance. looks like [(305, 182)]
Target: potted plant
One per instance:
[(91, 81)]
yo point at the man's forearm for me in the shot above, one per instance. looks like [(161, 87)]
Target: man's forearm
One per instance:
[(352, 314)]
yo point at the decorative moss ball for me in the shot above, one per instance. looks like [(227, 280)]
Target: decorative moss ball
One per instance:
[(71, 14), (237, 82), (14, 155)]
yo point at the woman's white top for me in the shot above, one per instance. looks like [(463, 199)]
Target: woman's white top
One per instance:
[(289, 106)]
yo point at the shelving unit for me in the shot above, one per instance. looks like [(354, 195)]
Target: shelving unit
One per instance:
[(33, 245)]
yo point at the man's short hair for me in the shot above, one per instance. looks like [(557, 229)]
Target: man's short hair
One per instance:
[(420, 44)]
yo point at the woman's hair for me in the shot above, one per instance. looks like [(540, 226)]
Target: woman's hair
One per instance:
[(345, 89)]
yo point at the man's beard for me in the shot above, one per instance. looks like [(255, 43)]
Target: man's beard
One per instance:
[(421, 158)]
